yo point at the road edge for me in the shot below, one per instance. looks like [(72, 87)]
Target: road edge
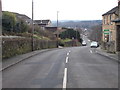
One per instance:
[(32, 54)]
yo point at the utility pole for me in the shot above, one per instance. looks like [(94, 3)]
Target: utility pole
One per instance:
[(76, 34), (32, 25), (57, 18), (57, 28), (119, 8)]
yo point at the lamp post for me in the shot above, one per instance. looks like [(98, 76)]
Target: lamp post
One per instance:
[(32, 25)]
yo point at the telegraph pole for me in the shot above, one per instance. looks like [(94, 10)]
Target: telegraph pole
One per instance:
[(32, 25), (57, 18), (57, 28)]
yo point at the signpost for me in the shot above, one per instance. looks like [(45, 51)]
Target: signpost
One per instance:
[(107, 32)]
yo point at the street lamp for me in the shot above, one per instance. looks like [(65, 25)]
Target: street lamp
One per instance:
[(32, 25)]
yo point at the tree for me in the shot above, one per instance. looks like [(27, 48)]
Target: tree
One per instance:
[(70, 33), (8, 21), (96, 33)]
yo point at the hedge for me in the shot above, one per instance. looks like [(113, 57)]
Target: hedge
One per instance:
[(17, 46)]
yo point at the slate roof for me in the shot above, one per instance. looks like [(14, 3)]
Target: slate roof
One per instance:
[(112, 11), (22, 16)]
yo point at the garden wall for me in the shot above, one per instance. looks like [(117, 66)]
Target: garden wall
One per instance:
[(17, 46)]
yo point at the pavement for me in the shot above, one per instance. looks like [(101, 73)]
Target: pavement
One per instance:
[(109, 55), (74, 67)]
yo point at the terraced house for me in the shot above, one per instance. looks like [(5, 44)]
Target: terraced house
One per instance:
[(110, 26)]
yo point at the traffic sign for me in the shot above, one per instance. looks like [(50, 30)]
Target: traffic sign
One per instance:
[(106, 30), (106, 33)]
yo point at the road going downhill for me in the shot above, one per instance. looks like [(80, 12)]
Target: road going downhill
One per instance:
[(76, 67)]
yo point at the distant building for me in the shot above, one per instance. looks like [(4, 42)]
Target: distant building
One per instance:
[(110, 29), (43, 23), (27, 19), (24, 17)]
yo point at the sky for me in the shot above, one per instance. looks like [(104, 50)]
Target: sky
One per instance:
[(68, 9)]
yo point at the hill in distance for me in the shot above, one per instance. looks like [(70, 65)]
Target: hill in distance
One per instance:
[(77, 23)]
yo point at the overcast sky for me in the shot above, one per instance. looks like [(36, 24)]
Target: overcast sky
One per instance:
[(68, 9)]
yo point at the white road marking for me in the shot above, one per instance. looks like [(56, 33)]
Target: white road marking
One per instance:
[(67, 53), (66, 59), (91, 51), (65, 79)]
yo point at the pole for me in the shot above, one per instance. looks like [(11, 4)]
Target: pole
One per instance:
[(32, 25), (57, 28), (76, 34), (57, 18)]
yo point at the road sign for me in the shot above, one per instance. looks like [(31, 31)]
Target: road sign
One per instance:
[(106, 30), (106, 33)]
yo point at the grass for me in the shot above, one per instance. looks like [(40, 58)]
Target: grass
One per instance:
[(66, 40)]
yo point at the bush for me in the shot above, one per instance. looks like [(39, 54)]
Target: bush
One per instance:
[(17, 46)]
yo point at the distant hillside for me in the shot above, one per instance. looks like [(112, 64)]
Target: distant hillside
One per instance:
[(79, 24)]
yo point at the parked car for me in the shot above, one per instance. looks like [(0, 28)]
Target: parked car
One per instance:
[(84, 43), (94, 44)]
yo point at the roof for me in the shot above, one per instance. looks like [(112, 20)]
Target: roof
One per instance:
[(42, 21), (117, 20), (112, 11), (22, 16)]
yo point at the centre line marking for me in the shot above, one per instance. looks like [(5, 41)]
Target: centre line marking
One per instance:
[(66, 59), (65, 79), (67, 53)]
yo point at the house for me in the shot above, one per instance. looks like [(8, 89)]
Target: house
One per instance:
[(110, 29), (43, 23), (24, 17), (27, 19), (117, 22)]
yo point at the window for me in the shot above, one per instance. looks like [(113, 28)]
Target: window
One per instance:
[(104, 22), (111, 19)]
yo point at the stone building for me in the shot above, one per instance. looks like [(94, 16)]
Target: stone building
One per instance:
[(111, 30), (43, 23)]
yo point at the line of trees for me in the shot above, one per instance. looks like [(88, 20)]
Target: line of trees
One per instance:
[(71, 34), (96, 33)]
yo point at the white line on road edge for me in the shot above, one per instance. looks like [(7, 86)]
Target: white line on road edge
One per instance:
[(66, 59), (65, 79)]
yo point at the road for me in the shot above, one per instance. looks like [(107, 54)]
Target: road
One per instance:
[(76, 67)]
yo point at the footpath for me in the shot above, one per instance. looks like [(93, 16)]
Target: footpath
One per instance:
[(6, 63), (109, 55)]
